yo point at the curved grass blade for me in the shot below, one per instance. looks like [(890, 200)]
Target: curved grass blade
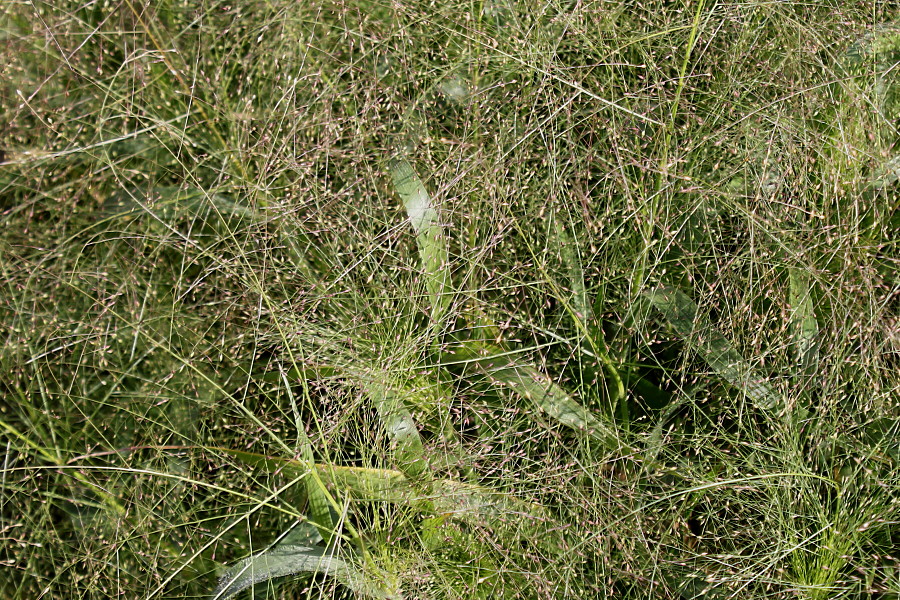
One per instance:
[(289, 559), (581, 312), (400, 427), (874, 53), (320, 502), (524, 379), (480, 506), (424, 218), (468, 500), (697, 331), (869, 65)]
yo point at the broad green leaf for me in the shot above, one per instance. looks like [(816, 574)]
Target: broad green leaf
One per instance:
[(873, 49), (693, 584), (887, 174), (805, 328), (698, 332), (479, 505), (382, 485), (525, 380), (321, 504), (400, 427), (430, 237), (869, 68), (874, 56), (456, 89), (289, 559), (302, 534), (654, 443), (580, 310)]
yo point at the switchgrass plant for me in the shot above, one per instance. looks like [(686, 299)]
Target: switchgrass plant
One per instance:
[(449, 300)]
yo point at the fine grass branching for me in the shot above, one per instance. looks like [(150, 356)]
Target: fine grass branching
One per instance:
[(425, 300)]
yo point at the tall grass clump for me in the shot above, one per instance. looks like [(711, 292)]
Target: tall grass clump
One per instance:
[(449, 300)]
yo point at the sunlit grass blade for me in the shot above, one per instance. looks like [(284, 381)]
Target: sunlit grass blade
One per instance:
[(581, 311), (287, 559), (804, 326), (887, 175), (472, 503), (321, 505), (536, 387), (874, 55), (430, 237), (389, 400), (386, 485), (481, 506), (400, 427), (698, 332), (868, 70), (654, 444)]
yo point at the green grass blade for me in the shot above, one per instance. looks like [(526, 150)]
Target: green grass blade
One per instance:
[(430, 237), (572, 261), (504, 514), (697, 331), (524, 379), (466, 501), (280, 562), (320, 504), (288, 559), (804, 326), (168, 203), (480, 504), (322, 507), (385, 485), (581, 310), (400, 427)]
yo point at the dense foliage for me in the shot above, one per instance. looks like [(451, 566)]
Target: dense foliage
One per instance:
[(470, 300)]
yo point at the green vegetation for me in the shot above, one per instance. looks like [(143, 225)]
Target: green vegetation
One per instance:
[(465, 300)]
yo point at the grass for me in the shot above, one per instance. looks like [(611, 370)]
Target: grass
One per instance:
[(449, 300)]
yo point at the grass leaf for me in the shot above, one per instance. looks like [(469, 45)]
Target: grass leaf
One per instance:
[(804, 326), (168, 203), (400, 427), (288, 559), (698, 332), (386, 485), (536, 387), (425, 221), (322, 507), (572, 261), (465, 501)]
